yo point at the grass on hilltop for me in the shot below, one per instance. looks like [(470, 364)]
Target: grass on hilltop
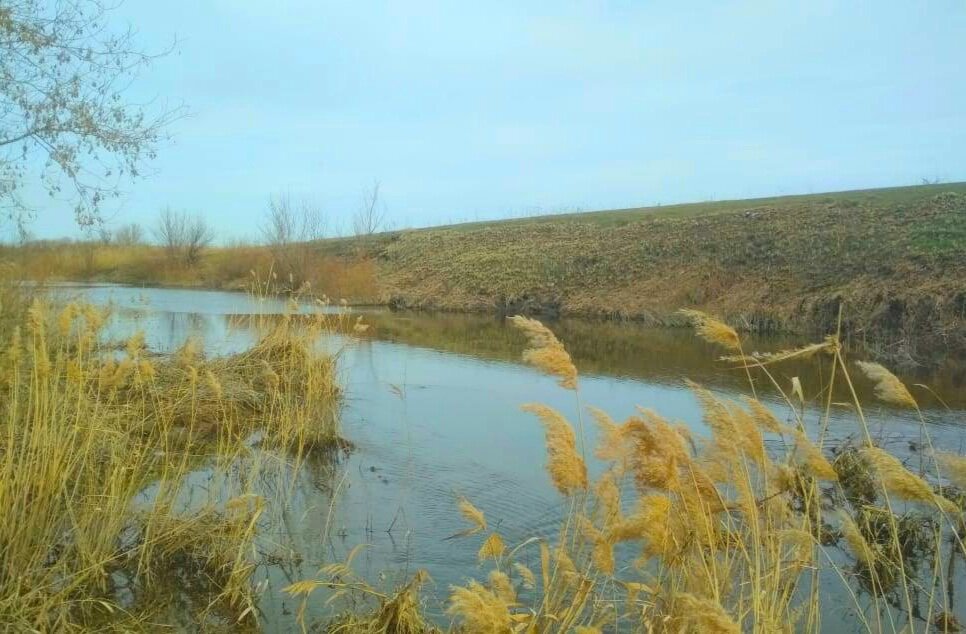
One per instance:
[(895, 259)]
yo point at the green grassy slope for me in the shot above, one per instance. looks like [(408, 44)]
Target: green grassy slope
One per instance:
[(896, 258)]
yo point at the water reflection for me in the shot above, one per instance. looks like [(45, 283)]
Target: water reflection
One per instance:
[(630, 350), (620, 350)]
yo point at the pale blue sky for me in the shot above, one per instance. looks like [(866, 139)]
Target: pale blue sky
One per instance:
[(470, 111)]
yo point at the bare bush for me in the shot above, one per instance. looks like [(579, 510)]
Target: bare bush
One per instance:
[(183, 236), (371, 216), (129, 235), (289, 229)]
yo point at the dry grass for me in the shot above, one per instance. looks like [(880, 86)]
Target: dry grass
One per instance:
[(895, 258), (87, 429), (352, 278)]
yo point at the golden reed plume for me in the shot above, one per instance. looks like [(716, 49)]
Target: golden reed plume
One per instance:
[(703, 615), (887, 386), (480, 608), (566, 467), (954, 468), (712, 329), (492, 548), (901, 482), (473, 515), (856, 541), (546, 353)]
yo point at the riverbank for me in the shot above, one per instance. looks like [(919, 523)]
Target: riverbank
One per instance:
[(893, 259)]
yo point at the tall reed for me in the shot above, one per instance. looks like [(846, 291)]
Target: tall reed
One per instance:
[(97, 449)]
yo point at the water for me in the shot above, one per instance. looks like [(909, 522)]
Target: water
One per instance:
[(433, 408)]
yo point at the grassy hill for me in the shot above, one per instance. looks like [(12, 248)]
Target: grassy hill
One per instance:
[(895, 258)]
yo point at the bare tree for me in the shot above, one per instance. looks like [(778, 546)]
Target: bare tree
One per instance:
[(288, 221), (63, 117), (290, 228), (129, 235), (170, 231), (370, 218), (184, 237), (199, 235)]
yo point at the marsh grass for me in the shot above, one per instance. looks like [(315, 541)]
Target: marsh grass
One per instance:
[(230, 267), (97, 449), (753, 525)]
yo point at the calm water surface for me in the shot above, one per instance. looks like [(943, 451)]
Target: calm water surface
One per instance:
[(433, 407)]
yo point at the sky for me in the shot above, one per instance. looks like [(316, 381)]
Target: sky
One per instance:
[(470, 111)]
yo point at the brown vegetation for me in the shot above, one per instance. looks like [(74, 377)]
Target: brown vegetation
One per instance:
[(230, 268), (735, 527), (98, 444), (895, 260)]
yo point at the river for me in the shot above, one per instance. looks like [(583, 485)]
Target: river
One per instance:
[(432, 407)]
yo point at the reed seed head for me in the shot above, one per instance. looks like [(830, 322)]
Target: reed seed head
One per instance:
[(479, 608), (546, 353), (567, 469), (492, 548), (953, 468), (901, 482), (888, 387), (65, 320), (863, 552), (608, 497), (526, 575), (703, 615), (472, 514), (811, 458), (502, 587), (713, 330)]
